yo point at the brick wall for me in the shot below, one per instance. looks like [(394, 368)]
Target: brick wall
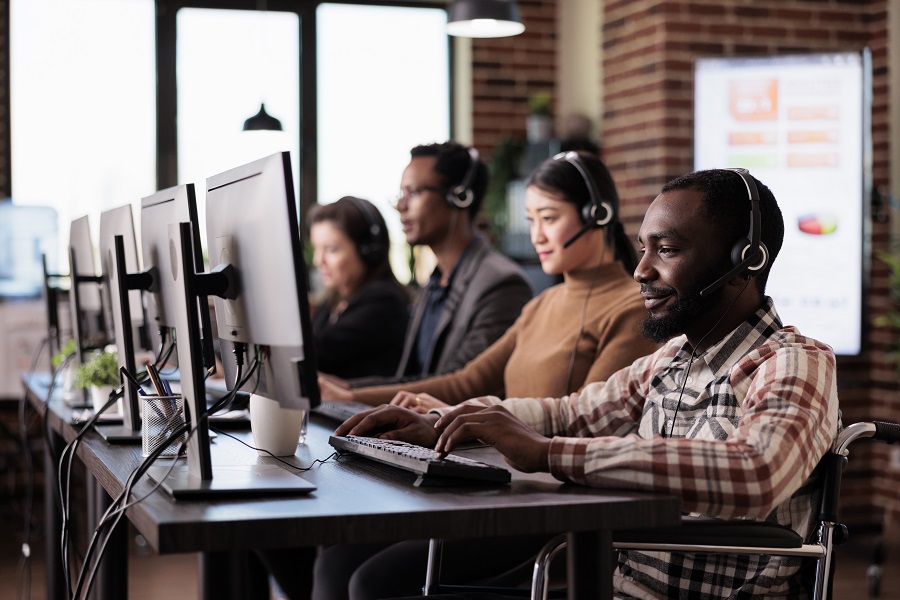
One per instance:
[(649, 47), (648, 51), (506, 71)]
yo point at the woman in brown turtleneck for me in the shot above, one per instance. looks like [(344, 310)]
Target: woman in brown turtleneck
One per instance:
[(572, 334)]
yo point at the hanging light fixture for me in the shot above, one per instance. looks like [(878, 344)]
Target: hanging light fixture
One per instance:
[(484, 18), (262, 121)]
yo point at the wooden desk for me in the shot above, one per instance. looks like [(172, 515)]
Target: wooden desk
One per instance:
[(358, 501)]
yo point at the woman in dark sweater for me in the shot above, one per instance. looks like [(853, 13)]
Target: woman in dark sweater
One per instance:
[(360, 326)]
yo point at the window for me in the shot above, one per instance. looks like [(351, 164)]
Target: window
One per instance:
[(84, 77), (383, 87), (229, 62), (83, 106)]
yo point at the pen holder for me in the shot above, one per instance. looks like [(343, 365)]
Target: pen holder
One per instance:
[(161, 416)]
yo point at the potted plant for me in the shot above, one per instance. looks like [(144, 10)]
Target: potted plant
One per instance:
[(892, 318), (100, 375), (539, 125), (63, 359)]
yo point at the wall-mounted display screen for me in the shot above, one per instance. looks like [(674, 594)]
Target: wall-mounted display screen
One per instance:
[(801, 125)]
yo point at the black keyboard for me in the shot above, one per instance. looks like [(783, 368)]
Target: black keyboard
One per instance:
[(340, 411), (423, 461)]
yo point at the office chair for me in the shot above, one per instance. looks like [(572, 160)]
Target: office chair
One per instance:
[(711, 535)]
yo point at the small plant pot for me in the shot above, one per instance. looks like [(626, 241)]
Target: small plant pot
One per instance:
[(100, 395), (539, 128), (70, 392)]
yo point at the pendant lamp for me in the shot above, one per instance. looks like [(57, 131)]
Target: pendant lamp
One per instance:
[(484, 18), (262, 121)]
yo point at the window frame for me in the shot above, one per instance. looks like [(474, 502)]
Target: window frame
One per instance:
[(167, 92)]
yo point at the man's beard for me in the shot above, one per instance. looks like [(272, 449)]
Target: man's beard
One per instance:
[(681, 314)]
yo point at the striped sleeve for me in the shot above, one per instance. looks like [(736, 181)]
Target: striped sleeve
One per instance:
[(788, 419)]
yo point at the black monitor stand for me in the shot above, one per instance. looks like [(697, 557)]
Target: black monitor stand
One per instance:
[(198, 479), (120, 282)]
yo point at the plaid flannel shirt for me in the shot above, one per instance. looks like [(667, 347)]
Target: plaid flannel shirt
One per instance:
[(757, 412)]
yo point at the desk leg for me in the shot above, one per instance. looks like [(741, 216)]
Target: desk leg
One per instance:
[(54, 576), (590, 565), (112, 574)]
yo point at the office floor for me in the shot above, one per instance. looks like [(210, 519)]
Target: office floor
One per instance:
[(154, 577)]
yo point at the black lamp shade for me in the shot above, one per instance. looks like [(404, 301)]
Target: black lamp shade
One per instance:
[(484, 18), (262, 121)]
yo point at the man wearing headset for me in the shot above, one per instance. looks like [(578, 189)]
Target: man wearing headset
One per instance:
[(475, 293), (731, 414)]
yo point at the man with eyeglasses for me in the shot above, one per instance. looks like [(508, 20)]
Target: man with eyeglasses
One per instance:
[(474, 293)]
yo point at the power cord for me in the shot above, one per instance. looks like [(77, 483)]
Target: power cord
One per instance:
[(693, 355), (584, 307), (116, 510)]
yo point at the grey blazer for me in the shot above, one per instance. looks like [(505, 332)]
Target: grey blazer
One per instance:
[(486, 296)]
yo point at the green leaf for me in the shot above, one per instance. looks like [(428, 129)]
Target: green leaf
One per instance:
[(102, 369)]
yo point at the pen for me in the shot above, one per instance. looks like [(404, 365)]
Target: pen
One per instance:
[(134, 381), (154, 379)]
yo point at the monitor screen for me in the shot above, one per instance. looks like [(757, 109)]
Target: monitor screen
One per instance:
[(173, 205), (113, 222), (257, 264), (801, 125), (85, 310), (117, 244), (27, 233), (252, 225), (82, 247)]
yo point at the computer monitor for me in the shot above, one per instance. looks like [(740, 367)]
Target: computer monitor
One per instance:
[(252, 225), (121, 271), (260, 282), (173, 205), (26, 233), (85, 307)]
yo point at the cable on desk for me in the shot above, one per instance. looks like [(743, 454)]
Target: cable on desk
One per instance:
[(278, 458), (116, 510), (64, 483)]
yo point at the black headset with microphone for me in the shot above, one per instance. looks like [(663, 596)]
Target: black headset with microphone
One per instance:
[(461, 195), (371, 248), (597, 212), (748, 254)]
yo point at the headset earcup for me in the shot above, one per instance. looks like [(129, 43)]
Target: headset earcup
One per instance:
[(743, 246), (597, 215), (737, 251), (460, 197), (587, 213)]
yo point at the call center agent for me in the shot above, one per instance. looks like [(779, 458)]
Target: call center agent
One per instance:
[(474, 293), (360, 325), (582, 330), (731, 414)]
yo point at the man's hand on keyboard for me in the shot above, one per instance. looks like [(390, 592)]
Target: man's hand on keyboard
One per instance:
[(521, 446), (392, 423)]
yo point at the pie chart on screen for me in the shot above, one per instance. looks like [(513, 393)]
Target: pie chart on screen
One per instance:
[(817, 224)]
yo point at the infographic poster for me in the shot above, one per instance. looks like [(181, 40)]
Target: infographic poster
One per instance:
[(800, 125)]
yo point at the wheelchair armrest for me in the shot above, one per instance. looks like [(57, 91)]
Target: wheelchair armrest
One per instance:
[(708, 531)]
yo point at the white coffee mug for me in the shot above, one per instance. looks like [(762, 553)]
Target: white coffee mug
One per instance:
[(275, 429)]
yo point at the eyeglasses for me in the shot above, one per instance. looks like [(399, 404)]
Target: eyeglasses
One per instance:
[(410, 193)]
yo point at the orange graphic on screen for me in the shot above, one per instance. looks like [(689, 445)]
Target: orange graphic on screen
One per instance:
[(753, 100), (752, 138)]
